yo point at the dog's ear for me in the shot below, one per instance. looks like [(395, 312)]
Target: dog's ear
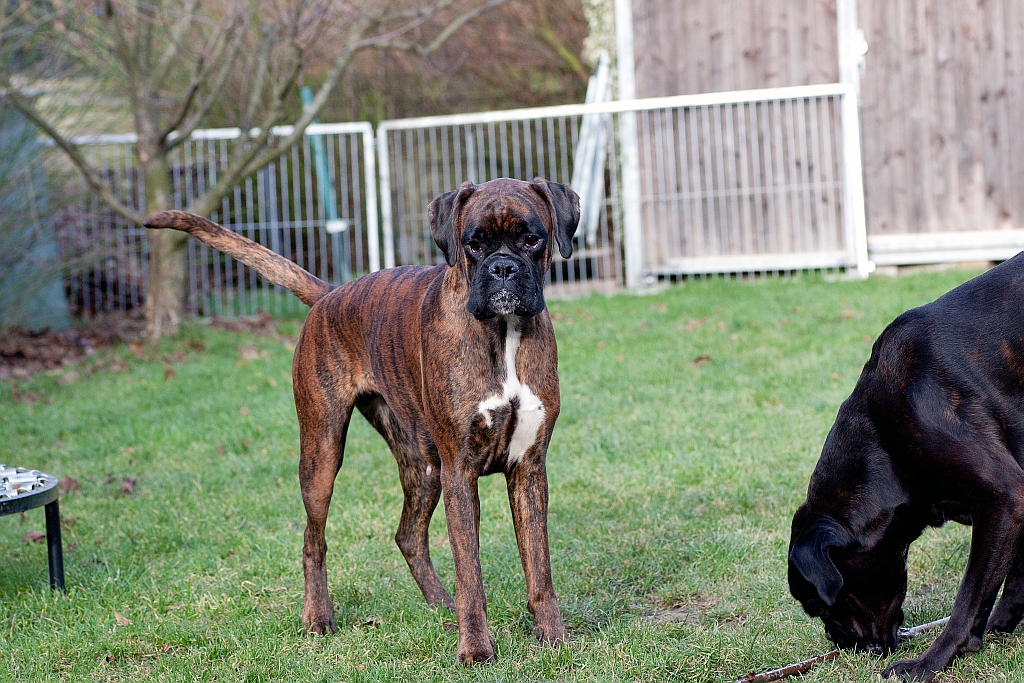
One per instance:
[(444, 211), (810, 555), (564, 205)]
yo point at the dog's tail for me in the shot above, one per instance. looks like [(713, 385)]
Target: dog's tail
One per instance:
[(274, 267)]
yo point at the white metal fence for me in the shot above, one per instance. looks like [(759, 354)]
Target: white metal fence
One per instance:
[(420, 158), (754, 181), (316, 204)]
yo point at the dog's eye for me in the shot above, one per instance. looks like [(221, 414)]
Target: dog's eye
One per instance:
[(474, 246), (531, 241)]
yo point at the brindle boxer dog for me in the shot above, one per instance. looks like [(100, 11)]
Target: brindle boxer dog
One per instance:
[(455, 365), (934, 431)]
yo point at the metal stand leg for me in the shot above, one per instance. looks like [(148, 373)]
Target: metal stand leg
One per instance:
[(53, 544)]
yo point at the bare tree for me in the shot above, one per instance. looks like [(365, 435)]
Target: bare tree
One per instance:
[(526, 54), (171, 58)]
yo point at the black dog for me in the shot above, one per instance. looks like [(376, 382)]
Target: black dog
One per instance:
[(934, 431)]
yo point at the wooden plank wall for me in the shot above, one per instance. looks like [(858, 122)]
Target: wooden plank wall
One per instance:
[(942, 92), (694, 46), (943, 115)]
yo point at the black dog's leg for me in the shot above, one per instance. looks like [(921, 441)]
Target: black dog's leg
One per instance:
[(1010, 609), (992, 544), (974, 640)]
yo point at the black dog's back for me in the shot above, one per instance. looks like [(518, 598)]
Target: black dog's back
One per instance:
[(955, 364), (933, 431)]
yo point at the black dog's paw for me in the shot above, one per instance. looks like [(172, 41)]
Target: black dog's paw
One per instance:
[(972, 644), (1001, 627), (911, 670)]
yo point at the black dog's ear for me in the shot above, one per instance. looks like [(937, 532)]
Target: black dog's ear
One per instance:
[(809, 554), (564, 204), (443, 213)]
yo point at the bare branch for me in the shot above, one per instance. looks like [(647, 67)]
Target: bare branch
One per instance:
[(94, 59), (7, 20), (548, 34), (250, 158), (126, 55), (263, 50), (91, 175), (173, 47), (222, 55), (454, 26)]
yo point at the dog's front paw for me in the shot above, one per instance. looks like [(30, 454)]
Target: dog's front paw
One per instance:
[(548, 626), (476, 650), (912, 670), (972, 644), (551, 633), (319, 621)]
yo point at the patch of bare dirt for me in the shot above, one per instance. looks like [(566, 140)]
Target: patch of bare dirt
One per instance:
[(686, 609), (262, 325), (24, 352)]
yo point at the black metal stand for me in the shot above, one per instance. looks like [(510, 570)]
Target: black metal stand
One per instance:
[(48, 496), (53, 545)]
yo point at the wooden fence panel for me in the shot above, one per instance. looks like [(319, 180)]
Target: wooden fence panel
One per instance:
[(942, 93), (942, 102), (684, 47)]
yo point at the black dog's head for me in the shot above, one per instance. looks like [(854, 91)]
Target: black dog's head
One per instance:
[(502, 233), (857, 590)]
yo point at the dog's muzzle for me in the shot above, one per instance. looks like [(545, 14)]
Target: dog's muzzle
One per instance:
[(505, 286), (503, 302)]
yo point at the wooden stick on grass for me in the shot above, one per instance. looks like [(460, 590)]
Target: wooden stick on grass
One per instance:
[(808, 664)]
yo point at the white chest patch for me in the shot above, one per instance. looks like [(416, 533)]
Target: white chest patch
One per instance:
[(530, 414)]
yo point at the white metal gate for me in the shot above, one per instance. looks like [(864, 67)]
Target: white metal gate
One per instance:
[(753, 181), (421, 158), (316, 204)]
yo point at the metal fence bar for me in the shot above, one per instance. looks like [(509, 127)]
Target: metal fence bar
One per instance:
[(853, 184)]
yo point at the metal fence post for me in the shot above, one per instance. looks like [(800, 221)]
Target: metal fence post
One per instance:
[(387, 220), (852, 47), (853, 185), (372, 225), (631, 214)]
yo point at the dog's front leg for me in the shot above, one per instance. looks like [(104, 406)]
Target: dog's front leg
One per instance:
[(528, 498), (1010, 608), (993, 541), (462, 513)]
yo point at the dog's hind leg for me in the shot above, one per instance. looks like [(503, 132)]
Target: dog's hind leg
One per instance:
[(324, 410), (421, 484), (1010, 608)]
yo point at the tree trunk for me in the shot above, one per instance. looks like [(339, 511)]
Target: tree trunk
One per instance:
[(165, 299)]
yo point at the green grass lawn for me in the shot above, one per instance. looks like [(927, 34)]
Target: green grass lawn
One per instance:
[(672, 488)]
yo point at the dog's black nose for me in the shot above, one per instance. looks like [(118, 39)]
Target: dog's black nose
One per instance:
[(503, 268)]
